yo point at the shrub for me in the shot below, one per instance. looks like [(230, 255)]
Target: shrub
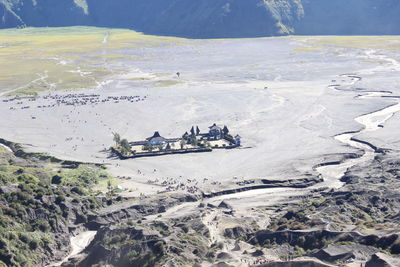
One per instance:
[(386, 241), (220, 245), (24, 238), (5, 178), (301, 241), (24, 196), (57, 179), (159, 248), (132, 255), (52, 222), (78, 190), (310, 242), (395, 249), (185, 228), (4, 221), (371, 240), (3, 243), (34, 244), (210, 255), (60, 199), (12, 236), (28, 179), (6, 257), (43, 226), (81, 218), (117, 239), (10, 212)]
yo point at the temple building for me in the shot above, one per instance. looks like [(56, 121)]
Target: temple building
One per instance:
[(237, 140), (156, 139), (191, 141), (215, 132)]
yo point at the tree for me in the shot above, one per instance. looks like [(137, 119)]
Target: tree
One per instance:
[(148, 147), (193, 141), (197, 130), (182, 143), (125, 146), (116, 138), (207, 144), (192, 133), (225, 130), (109, 187), (168, 147)]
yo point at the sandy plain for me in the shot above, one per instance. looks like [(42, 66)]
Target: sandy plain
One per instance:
[(279, 94), (297, 102)]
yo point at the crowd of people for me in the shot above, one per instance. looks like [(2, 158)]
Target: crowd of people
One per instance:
[(71, 99), (173, 184), (169, 184)]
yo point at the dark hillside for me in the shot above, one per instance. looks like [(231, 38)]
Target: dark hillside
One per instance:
[(211, 18)]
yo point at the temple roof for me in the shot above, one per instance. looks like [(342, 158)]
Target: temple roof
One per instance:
[(156, 138), (214, 127)]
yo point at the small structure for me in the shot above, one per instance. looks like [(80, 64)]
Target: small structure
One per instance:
[(237, 140), (215, 132), (156, 139)]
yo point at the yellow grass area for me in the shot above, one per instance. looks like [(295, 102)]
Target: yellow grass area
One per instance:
[(374, 42), (166, 83), (103, 184), (307, 49), (3, 150), (38, 59)]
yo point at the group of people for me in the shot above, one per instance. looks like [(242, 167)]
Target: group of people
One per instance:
[(257, 261), (182, 187), (73, 100), (173, 184)]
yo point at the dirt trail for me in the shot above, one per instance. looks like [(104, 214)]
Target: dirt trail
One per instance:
[(78, 244)]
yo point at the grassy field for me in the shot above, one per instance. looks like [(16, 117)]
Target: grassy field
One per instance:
[(41, 59), (314, 43)]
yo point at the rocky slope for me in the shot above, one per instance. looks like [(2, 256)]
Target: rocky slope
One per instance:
[(358, 222), (42, 201), (206, 18)]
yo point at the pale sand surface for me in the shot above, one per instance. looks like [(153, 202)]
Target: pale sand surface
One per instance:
[(281, 101), (277, 99)]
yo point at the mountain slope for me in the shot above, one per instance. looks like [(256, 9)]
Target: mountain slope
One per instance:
[(350, 17), (211, 18)]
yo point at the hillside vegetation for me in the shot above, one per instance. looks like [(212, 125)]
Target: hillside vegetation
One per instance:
[(41, 200), (211, 18)]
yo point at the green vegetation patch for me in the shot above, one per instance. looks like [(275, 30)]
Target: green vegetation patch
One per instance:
[(37, 200)]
